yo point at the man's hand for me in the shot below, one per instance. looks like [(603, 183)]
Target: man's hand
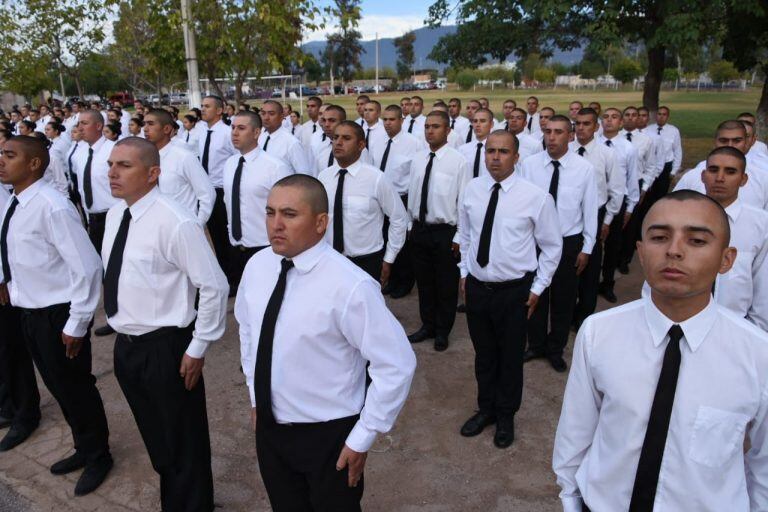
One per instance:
[(604, 229), (386, 270), (5, 298), (73, 345), (533, 301), (355, 461), (253, 418), (191, 369), (455, 250), (463, 289), (627, 216), (581, 262)]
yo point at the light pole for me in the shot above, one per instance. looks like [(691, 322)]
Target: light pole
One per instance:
[(190, 50)]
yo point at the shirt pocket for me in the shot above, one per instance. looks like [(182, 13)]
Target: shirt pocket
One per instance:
[(717, 435), (33, 250), (138, 273), (443, 183), (357, 204), (512, 231)]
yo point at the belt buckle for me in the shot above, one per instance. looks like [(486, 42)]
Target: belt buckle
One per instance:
[(487, 286)]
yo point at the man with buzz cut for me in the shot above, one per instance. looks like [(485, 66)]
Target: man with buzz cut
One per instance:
[(278, 142), (459, 123), (474, 152), (533, 123)]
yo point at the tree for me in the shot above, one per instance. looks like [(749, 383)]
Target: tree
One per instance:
[(466, 79), (544, 76), (626, 70), (722, 71), (343, 47), (23, 70), (313, 69), (405, 54)]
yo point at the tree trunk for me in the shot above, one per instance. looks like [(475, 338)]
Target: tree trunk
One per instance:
[(238, 91), (76, 76), (762, 107), (653, 78)]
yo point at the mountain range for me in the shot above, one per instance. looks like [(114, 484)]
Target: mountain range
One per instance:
[(426, 39)]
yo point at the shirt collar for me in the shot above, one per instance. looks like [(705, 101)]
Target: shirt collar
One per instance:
[(440, 152), (28, 193), (734, 210), (252, 154), (142, 205), (506, 184), (352, 169), (307, 260), (589, 146), (564, 160), (695, 329), (98, 144)]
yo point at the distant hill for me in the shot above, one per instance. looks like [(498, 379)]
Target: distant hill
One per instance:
[(426, 39)]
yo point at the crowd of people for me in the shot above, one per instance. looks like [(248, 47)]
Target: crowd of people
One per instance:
[(519, 220)]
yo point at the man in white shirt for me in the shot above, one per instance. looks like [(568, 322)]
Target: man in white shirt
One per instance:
[(533, 123), (52, 272), (157, 260), (375, 134), (664, 155), (573, 110), (665, 391), (248, 177), (438, 177), (360, 107), (414, 123), (314, 419), (312, 126), (759, 146), (755, 158), (507, 108), (331, 118), (459, 124), (359, 198), (472, 107), (611, 189), (571, 181), (527, 144), (504, 221), (278, 142), (182, 176), (474, 152)]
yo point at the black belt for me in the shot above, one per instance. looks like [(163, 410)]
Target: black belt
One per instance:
[(503, 285), (432, 227), (97, 214), (299, 425), (252, 250), (162, 332)]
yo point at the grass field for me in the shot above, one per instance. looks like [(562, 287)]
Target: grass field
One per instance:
[(695, 113)]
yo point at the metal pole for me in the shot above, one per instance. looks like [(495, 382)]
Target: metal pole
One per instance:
[(190, 50)]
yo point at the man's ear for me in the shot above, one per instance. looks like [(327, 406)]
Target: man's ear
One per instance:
[(728, 259)]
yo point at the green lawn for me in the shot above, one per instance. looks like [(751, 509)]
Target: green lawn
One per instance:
[(697, 114)]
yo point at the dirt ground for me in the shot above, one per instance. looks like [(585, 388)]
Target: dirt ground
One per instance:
[(422, 464)]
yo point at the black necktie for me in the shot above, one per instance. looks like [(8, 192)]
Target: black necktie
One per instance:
[(4, 240), (484, 248), (262, 377), (609, 143), (362, 123), (476, 167), (72, 174), (658, 130), (530, 122), (581, 150), (87, 186), (629, 137), (293, 130), (410, 126), (647, 476), (266, 143), (506, 126), (324, 136), (206, 150), (367, 137), (338, 213), (453, 123), (555, 180), (383, 165), (425, 190), (112, 275), (469, 135), (330, 157), (314, 127), (237, 225), (187, 136), (544, 144)]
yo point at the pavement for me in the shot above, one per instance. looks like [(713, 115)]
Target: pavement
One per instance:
[(422, 465)]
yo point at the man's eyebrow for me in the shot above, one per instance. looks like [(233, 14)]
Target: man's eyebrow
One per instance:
[(699, 229)]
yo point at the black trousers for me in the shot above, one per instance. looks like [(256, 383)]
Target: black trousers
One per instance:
[(660, 186), (173, 422), (631, 233), (612, 246), (496, 317), (96, 224), (589, 280), (19, 396), (70, 381), (371, 263), (402, 276), (556, 304), (437, 275), (298, 466), (238, 258), (217, 228)]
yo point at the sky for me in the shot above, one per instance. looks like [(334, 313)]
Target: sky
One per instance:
[(390, 18)]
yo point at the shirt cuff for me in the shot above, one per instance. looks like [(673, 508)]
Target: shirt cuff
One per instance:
[(572, 504), (361, 438), (537, 288), (197, 348), (463, 271), (390, 255), (608, 218), (76, 327)]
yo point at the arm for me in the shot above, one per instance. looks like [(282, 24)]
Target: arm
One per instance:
[(677, 148), (589, 212), (202, 187), (617, 187), (393, 208), (546, 232), (298, 158), (756, 459), (247, 347), (758, 310), (464, 177), (463, 233), (633, 176)]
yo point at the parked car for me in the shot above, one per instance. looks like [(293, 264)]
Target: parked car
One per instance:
[(178, 98)]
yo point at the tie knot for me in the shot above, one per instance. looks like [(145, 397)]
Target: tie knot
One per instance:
[(90, 151), (479, 145), (285, 265), (555, 164), (582, 150), (496, 186), (675, 333), (608, 143), (342, 172), (431, 155), (210, 131), (242, 159), (127, 214)]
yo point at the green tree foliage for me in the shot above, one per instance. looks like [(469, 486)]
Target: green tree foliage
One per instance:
[(343, 47), (405, 54), (544, 76), (466, 79), (626, 70), (722, 71)]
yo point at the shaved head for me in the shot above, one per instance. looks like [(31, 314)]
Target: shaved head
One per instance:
[(32, 147), (148, 153), (312, 190)]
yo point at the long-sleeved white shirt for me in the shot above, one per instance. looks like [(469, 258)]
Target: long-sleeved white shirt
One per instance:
[(366, 198), (461, 126), (627, 161), (324, 156), (332, 320), (576, 193), (529, 145), (415, 126), (525, 218), (286, 147), (376, 135), (402, 150), (646, 155), (753, 193), (260, 172), (721, 394), (469, 152), (448, 177), (611, 182), (184, 179), (102, 193), (51, 259), (220, 149), (672, 144), (166, 260)]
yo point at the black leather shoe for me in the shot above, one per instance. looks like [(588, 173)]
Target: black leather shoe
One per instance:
[(399, 293), (104, 330), (68, 465), (558, 363), (5, 422), (441, 343), (93, 475), (15, 436), (607, 293), (421, 335), (530, 355), (505, 433), (461, 308), (624, 268), (476, 424)]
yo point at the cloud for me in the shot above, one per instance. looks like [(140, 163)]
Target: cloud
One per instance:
[(386, 26)]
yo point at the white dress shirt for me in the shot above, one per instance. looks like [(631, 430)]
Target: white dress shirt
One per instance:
[(469, 152), (332, 320), (611, 183), (528, 145), (760, 147), (286, 147), (219, 149), (367, 197), (56, 175), (184, 179), (721, 394), (525, 219), (658, 148), (461, 126), (102, 193), (70, 122), (51, 258), (324, 154), (629, 165), (454, 140), (646, 154), (673, 146), (753, 193), (404, 147), (308, 129), (190, 140), (535, 125), (576, 193), (377, 136), (260, 172), (448, 177), (59, 147), (167, 258), (418, 126)]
